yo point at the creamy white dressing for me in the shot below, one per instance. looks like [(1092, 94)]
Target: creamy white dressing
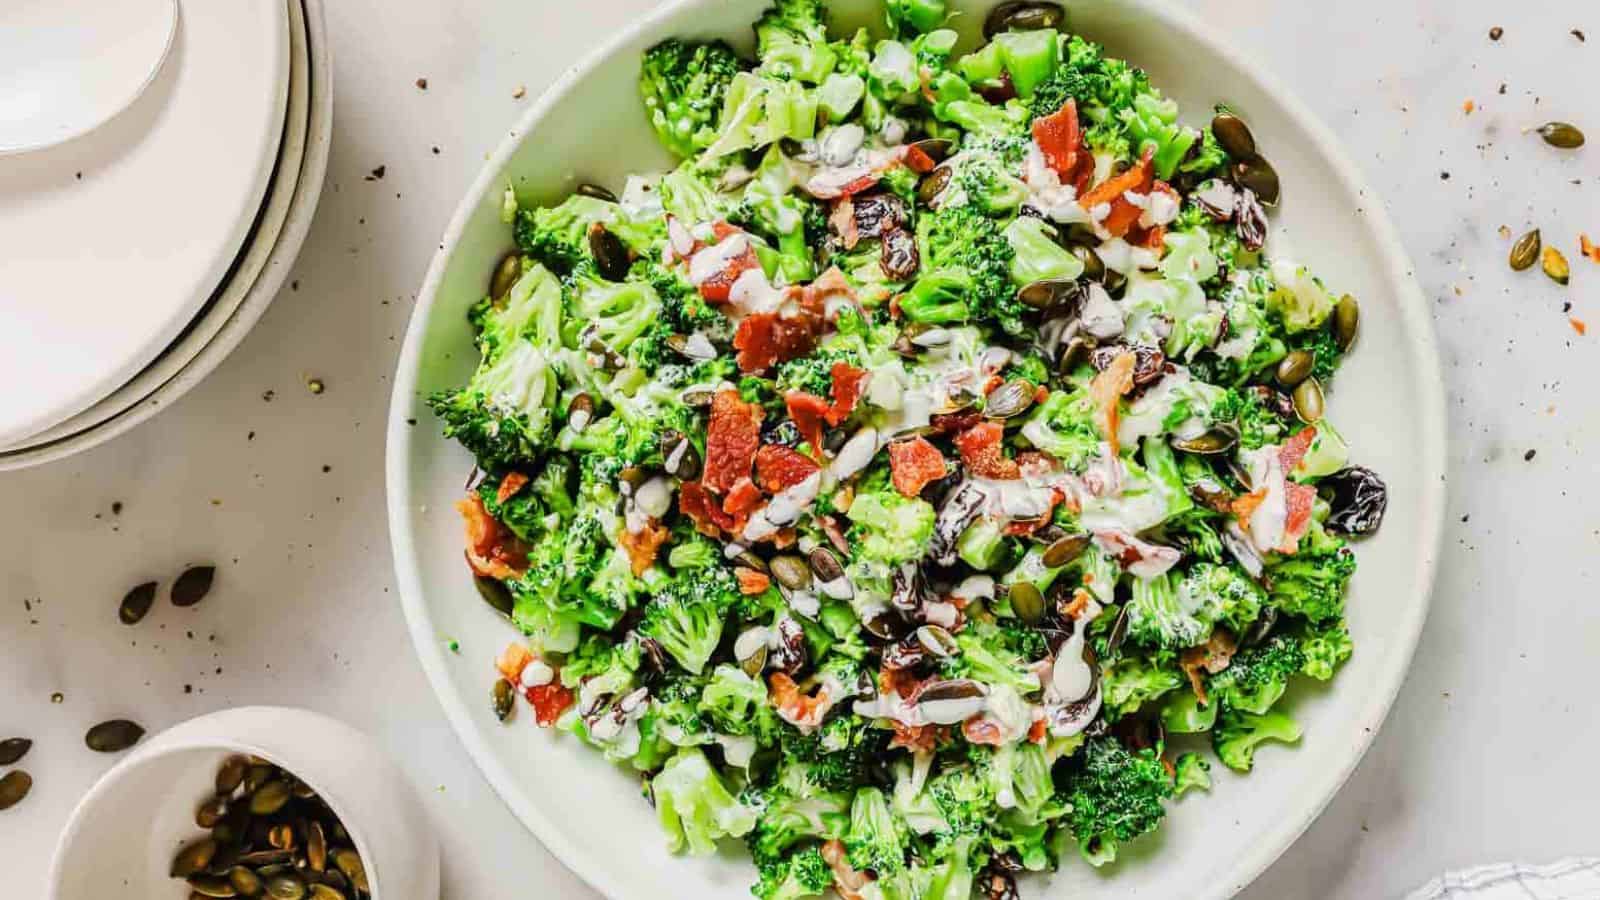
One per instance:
[(1154, 560), (1269, 521), (1124, 258), (1100, 316), (537, 674), (1058, 202), (855, 455), (974, 587), (713, 260), (783, 510), (752, 293)]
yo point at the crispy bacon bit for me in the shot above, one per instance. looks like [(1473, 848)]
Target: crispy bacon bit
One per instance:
[(1123, 214), (1060, 140), (743, 498), (492, 549), (913, 464), (549, 702), (1079, 603), (1107, 390), (956, 422), (1588, 248), (848, 384), (1295, 448), (1212, 657), (512, 660), (1153, 238), (779, 467), (903, 682), (979, 730), (1297, 520), (808, 412), (1034, 464), (1038, 732), (1578, 325), (917, 159), (858, 185), (916, 738), (718, 288), (702, 509), (643, 545), (732, 437), (846, 880), (752, 582), (794, 706), (843, 220), (509, 485), (982, 454), (766, 339)]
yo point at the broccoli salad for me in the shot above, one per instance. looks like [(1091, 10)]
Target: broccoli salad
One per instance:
[(924, 479)]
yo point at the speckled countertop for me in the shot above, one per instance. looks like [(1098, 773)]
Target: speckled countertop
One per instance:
[(1488, 754)]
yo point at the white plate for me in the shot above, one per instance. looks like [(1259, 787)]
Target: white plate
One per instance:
[(1388, 400), (241, 276), (114, 240), (279, 261)]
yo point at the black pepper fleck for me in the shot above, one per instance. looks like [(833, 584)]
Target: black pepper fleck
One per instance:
[(267, 395), (116, 507), (1578, 33), (1528, 457)]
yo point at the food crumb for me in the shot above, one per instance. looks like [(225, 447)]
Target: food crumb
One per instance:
[(520, 92), (1528, 457), (1578, 33), (1578, 325), (1467, 106), (377, 173), (315, 385), (1496, 32), (1588, 248), (116, 507), (1505, 232), (453, 646), (435, 151), (422, 84), (58, 697)]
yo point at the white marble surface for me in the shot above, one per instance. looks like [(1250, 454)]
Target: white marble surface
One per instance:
[(1488, 753)]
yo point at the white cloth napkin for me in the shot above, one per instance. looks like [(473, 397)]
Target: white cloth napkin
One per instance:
[(1569, 879)]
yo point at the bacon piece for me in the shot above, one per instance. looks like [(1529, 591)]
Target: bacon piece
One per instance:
[(956, 422), (1107, 390), (1244, 506), (1153, 238), (846, 880), (979, 730), (808, 412), (1296, 448), (794, 706), (509, 486), (858, 185), (917, 159), (1038, 732), (1060, 141), (732, 437), (916, 738), (1300, 498), (1139, 558), (1123, 215), (1212, 657), (779, 467), (848, 384), (743, 499), (752, 582), (702, 509), (913, 464), (766, 339), (492, 550), (981, 452), (1035, 464), (549, 702), (643, 545), (719, 287)]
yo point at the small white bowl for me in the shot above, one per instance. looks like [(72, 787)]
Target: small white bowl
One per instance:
[(121, 838)]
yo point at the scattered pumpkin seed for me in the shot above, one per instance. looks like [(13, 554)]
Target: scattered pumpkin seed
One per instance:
[(1525, 252), (13, 749), (1064, 550), (269, 798), (193, 585), (1259, 176), (1295, 368), (1212, 443), (281, 836), (1561, 134), (791, 571), (1023, 15), (349, 862), (113, 736), (260, 773), (1308, 401), (502, 699), (13, 787), (1233, 135), (211, 812), (193, 857), (207, 885), (589, 189), (1555, 266), (1346, 322), (136, 603), (1027, 602), (231, 774), (245, 882), (326, 892), (505, 275), (316, 847), (495, 593), (286, 886), (1009, 400)]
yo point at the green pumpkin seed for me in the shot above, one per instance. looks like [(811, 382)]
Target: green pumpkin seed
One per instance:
[(611, 257), (1027, 602), (1064, 550), (193, 857), (494, 592), (212, 886), (261, 859), (1561, 134), (13, 749), (269, 798), (13, 787), (136, 603), (287, 886), (589, 189), (502, 699), (326, 892), (1009, 400), (349, 862), (302, 790), (211, 812), (1094, 268), (113, 736), (791, 571), (1346, 322), (335, 878), (938, 641), (1555, 266), (1022, 15), (1213, 442), (193, 585), (506, 274), (1295, 368), (231, 774), (1308, 401), (281, 836), (1525, 252), (1258, 175), (245, 882), (260, 773), (933, 184), (1233, 135)]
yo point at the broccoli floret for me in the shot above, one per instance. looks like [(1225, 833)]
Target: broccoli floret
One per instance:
[(615, 312), (909, 16), (685, 615), (831, 765), (1064, 427), (558, 236), (1311, 583), (1195, 532), (1299, 298), (876, 839), (792, 41), (1239, 733), (1152, 123), (1224, 595), (954, 102), (1192, 772), (1171, 612), (1133, 681), (1257, 424), (803, 873), (795, 807), (1257, 676), (998, 654), (886, 526), (966, 263), (735, 703), (682, 306), (1103, 87), (1115, 796), (683, 86), (1326, 646), (1324, 350), (814, 373), (694, 806)]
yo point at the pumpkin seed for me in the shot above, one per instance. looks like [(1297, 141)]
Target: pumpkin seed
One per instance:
[(1026, 601), (824, 564), (590, 189), (1094, 268), (495, 593), (949, 702), (1555, 266), (1295, 368), (349, 862), (791, 571), (1308, 401), (326, 892), (193, 585), (1009, 400), (245, 882), (1119, 630), (13, 787), (1064, 550), (264, 858), (335, 878), (269, 798), (1346, 322), (136, 603), (937, 149), (698, 349), (193, 857), (1212, 443), (287, 886), (502, 699), (316, 847), (231, 774), (611, 257), (932, 185), (679, 458), (750, 649), (259, 774), (212, 885), (1525, 252), (281, 836), (1258, 175), (938, 641), (1022, 15), (1233, 135), (13, 749), (113, 736), (1050, 293), (211, 812), (1561, 134), (506, 274)]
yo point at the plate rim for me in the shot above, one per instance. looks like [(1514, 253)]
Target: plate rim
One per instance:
[(1413, 313)]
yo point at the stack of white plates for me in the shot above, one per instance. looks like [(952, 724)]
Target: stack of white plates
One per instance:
[(144, 237)]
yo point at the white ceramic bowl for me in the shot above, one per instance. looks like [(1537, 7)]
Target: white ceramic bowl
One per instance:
[(120, 840), (258, 275), (1387, 400)]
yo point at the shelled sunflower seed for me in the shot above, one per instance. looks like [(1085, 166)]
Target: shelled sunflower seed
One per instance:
[(269, 836)]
